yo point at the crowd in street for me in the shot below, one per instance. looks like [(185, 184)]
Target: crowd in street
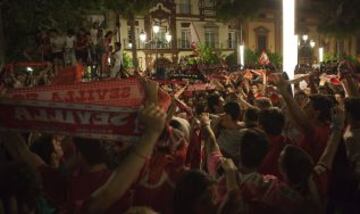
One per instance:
[(90, 47), (253, 142)]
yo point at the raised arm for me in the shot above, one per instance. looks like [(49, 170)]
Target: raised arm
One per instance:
[(338, 119), (128, 170), (210, 139), (298, 115)]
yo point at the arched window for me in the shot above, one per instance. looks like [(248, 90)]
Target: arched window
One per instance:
[(261, 38)]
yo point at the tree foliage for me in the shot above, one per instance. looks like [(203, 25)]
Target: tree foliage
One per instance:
[(234, 10), (22, 19), (339, 18)]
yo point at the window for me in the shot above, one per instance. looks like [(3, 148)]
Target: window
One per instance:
[(210, 38), (185, 39), (185, 7), (262, 42), (231, 40), (261, 38)]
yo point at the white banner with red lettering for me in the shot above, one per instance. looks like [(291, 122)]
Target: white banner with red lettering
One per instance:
[(103, 122), (102, 109)]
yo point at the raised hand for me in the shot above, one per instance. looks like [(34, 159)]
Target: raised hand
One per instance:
[(153, 118), (280, 82)]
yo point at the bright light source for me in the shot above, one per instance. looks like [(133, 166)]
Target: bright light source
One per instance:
[(142, 36), (321, 54), (156, 28), (109, 60), (290, 41), (305, 37), (242, 54), (312, 44), (168, 37), (29, 69), (130, 45)]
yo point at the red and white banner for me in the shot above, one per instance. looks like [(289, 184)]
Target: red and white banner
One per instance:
[(123, 93), (103, 109), (103, 122)]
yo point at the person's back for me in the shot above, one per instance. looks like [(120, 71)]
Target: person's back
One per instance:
[(272, 121), (93, 174)]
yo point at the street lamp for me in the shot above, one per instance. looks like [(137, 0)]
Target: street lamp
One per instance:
[(168, 37), (312, 44), (305, 37), (156, 28), (143, 36)]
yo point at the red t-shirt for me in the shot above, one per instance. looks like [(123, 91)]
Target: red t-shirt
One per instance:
[(270, 164), (54, 185), (315, 143), (259, 191), (156, 186), (82, 186)]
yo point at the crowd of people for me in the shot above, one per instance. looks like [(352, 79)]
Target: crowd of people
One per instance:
[(254, 142), (92, 48)]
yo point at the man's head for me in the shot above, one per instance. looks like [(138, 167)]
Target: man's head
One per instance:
[(263, 103), (251, 117), (215, 103), (296, 166), (272, 121), (319, 107), (49, 149), (233, 110), (91, 151), (194, 193), (117, 46), (253, 148)]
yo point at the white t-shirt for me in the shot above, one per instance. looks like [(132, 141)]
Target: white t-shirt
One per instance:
[(57, 44), (118, 58), (94, 35), (69, 42)]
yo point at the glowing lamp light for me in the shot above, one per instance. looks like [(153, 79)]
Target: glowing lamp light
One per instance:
[(142, 36), (305, 37), (29, 69), (156, 28), (312, 44), (321, 54), (130, 45), (168, 37), (290, 40)]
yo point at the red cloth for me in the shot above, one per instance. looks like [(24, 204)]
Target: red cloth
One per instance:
[(54, 185), (194, 154), (315, 143), (156, 187), (270, 164)]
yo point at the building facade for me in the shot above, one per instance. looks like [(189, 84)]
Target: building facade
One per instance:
[(195, 20)]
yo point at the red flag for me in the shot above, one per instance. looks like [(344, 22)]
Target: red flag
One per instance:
[(264, 59)]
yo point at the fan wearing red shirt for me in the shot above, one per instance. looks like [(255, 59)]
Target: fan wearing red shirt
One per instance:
[(92, 173), (313, 120), (261, 193), (272, 121)]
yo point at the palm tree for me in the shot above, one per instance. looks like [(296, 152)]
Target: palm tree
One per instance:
[(129, 9)]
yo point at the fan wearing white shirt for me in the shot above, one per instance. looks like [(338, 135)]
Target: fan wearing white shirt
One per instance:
[(117, 60), (70, 58)]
